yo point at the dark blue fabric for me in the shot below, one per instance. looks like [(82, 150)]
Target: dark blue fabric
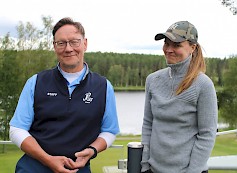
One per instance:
[(27, 164), (64, 124)]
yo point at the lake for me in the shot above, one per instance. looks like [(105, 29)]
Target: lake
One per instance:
[(130, 108)]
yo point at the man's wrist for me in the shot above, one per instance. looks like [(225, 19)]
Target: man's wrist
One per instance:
[(95, 151)]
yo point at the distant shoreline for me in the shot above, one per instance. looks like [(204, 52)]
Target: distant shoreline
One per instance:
[(130, 88)]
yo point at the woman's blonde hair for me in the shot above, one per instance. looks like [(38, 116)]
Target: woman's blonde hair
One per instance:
[(196, 66)]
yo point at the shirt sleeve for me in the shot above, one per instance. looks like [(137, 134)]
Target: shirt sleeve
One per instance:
[(110, 119), (17, 135), (24, 113), (108, 137)]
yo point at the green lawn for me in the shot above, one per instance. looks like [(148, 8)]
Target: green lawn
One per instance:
[(9, 158), (225, 145)]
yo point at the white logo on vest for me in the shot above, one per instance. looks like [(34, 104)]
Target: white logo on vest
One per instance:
[(52, 94), (88, 98)]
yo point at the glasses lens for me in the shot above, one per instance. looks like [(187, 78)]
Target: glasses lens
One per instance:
[(72, 43), (75, 43), (61, 44)]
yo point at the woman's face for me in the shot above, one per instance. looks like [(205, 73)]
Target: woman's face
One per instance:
[(177, 52)]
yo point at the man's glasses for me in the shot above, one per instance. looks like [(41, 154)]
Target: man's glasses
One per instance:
[(62, 44)]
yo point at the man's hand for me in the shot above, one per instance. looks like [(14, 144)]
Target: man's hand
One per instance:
[(58, 164), (61, 164), (83, 157)]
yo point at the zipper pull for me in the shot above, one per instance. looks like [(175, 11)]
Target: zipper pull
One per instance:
[(170, 74)]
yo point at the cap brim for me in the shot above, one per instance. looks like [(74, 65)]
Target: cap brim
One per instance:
[(173, 37), (159, 36)]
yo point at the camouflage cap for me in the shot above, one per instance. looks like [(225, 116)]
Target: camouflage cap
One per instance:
[(179, 32)]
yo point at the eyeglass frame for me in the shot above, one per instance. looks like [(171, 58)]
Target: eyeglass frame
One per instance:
[(64, 43)]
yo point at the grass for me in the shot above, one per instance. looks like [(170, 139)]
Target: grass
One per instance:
[(9, 158), (130, 88), (225, 145)]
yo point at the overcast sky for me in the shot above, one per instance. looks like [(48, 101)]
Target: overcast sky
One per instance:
[(129, 26)]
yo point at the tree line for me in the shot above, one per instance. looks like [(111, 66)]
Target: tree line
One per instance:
[(32, 53), (123, 70)]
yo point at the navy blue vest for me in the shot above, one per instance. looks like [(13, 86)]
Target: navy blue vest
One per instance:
[(62, 124)]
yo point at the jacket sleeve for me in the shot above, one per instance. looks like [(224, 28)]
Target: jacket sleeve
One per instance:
[(207, 113), (146, 129)]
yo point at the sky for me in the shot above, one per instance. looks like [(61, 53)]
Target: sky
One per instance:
[(129, 26)]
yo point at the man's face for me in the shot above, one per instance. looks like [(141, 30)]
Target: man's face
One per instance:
[(70, 46)]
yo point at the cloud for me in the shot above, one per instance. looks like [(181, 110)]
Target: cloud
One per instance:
[(7, 27)]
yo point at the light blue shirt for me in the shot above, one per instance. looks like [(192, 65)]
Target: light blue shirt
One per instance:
[(24, 113)]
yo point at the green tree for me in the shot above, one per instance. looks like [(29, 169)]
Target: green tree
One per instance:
[(231, 5), (46, 34), (228, 96), (9, 92), (115, 75), (28, 36), (6, 42)]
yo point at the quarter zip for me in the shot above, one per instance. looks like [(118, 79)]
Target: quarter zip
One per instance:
[(172, 78), (176, 72), (170, 72)]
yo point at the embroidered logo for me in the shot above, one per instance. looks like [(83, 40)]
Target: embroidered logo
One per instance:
[(52, 94), (172, 27), (88, 98)]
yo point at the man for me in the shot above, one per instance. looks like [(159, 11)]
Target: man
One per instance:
[(67, 114)]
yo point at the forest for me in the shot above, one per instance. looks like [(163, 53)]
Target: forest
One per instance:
[(123, 71)]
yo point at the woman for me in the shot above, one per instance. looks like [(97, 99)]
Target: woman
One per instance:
[(180, 116)]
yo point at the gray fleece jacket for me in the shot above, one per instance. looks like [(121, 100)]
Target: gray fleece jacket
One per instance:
[(178, 131)]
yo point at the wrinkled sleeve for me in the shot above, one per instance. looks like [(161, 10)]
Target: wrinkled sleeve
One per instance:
[(207, 113), (146, 128)]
